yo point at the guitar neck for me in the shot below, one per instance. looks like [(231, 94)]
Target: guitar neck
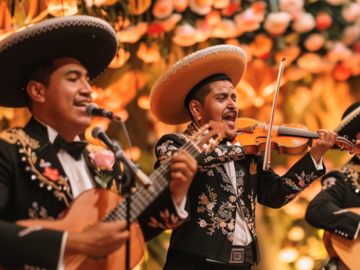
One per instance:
[(142, 197)]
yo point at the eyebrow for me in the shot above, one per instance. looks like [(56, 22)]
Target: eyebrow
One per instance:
[(77, 72)]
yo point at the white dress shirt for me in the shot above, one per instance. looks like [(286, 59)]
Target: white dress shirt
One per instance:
[(79, 177)]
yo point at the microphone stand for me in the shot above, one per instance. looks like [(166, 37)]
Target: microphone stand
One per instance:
[(127, 179), (125, 190)]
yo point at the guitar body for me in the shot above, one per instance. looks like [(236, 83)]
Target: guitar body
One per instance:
[(347, 250), (89, 208)]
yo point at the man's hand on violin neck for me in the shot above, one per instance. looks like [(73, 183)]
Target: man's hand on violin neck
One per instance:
[(326, 140), (183, 170)]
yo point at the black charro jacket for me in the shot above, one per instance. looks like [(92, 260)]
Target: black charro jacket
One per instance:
[(212, 199), (33, 185), (341, 190)]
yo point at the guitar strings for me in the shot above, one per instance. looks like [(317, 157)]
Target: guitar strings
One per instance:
[(142, 194)]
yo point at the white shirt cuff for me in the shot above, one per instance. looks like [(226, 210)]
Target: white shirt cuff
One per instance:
[(61, 261), (357, 231), (180, 208), (318, 166)]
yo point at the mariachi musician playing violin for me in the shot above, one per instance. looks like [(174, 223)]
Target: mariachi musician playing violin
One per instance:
[(341, 190), (221, 231), (44, 166)]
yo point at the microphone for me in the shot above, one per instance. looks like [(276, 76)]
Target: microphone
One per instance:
[(115, 147), (93, 110)]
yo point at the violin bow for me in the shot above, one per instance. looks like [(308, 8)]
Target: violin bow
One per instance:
[(266, 165)]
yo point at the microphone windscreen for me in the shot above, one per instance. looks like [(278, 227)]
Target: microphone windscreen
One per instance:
[(90, 107), (96, 131)]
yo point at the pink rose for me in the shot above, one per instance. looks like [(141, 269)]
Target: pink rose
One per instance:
[(291, 6), (103, 160), (180, 5), (250, 19), (338, 52), (220, 4), (314, 42), (351, 13), (225, 29), (163, 8), (213, 18), (277, 22), (305, 23), (201, 7), (309, 61), (351, 34)]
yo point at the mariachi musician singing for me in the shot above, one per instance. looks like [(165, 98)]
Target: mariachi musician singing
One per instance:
[(44, 167), (221, 233)]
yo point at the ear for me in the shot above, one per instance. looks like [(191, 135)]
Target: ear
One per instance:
[(36, 91), (358, 136), (195, 109)]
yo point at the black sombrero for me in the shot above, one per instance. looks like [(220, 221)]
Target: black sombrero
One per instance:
[(90, 40), (350, 123)]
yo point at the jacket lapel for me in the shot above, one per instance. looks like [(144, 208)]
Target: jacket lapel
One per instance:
[(46, 155)]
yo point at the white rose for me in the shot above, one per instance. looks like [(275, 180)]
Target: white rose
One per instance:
[(276, 23), (305, 23)]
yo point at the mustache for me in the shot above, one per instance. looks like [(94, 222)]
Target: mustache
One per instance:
[(227, 111)]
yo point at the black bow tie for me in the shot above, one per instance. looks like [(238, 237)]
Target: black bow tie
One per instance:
[(74, 148)]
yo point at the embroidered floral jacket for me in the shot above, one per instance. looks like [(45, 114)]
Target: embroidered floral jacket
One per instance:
[(341, 190), (213, 201), (33, 185)]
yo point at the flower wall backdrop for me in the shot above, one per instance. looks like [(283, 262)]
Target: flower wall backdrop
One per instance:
[(320, 39)]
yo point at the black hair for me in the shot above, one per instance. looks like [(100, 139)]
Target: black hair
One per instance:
[(40, 74), (202, 89)]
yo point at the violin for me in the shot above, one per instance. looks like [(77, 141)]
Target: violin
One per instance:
[(288, 139)]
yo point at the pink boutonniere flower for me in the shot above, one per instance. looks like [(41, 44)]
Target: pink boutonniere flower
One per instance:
[(103, 160)]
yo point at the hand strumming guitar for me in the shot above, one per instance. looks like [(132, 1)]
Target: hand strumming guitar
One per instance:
[(100, 240)]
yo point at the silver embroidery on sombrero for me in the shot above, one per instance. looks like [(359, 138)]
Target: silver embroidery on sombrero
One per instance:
[(191, 58), (347, 120), (50, 25)]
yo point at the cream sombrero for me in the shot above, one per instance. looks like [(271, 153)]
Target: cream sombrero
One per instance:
[(168, 94), (90, 40), (350, 123)]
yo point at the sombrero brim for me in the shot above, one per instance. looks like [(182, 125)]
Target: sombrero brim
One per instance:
[(349, 125), (168, 94), (90, 40)]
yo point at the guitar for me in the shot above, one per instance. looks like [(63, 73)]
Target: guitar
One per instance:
[(347, 250), (101, 205)]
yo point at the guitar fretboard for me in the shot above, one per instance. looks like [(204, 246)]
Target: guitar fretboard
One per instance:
[(142, 197)]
